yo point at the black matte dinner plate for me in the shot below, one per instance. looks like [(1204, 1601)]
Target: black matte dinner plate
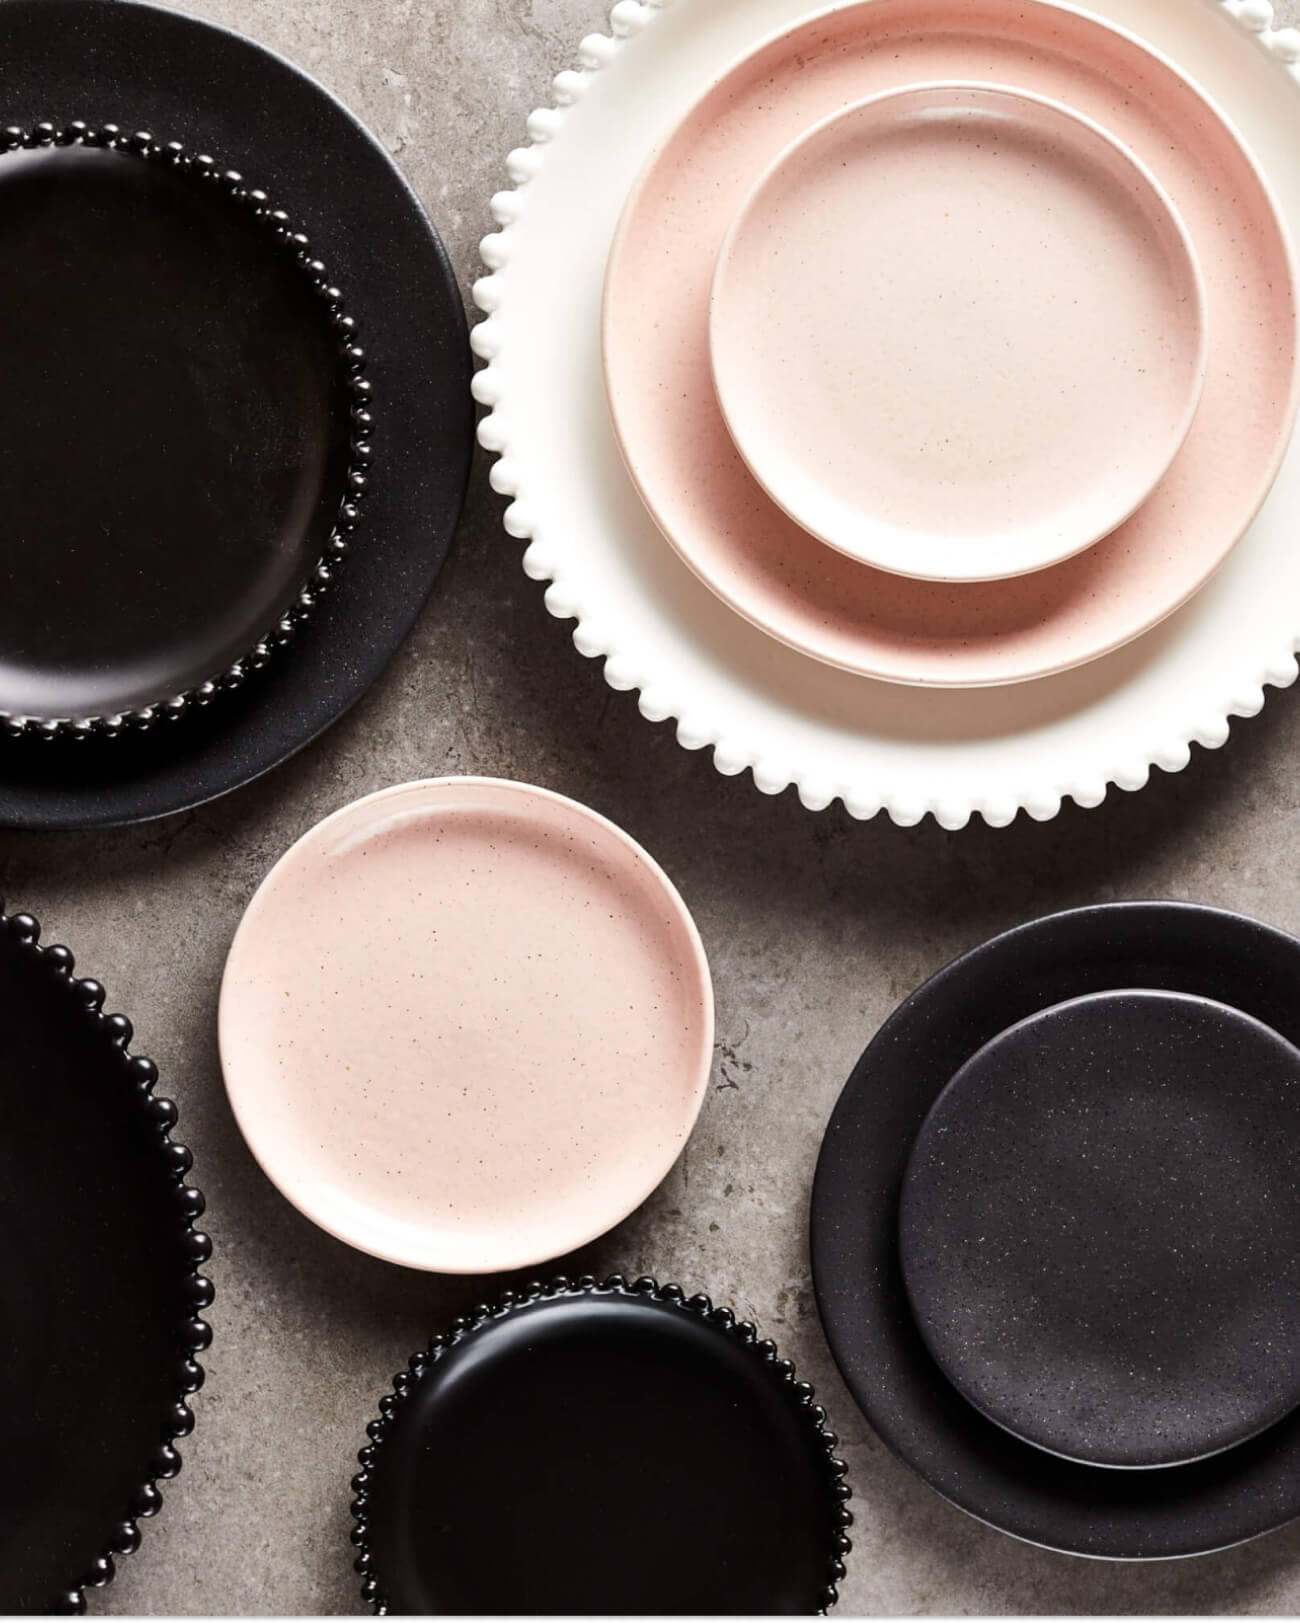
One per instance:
[(215, 93), (99, 1292), (600, 1450), (977, 1465), (1100, 1228)]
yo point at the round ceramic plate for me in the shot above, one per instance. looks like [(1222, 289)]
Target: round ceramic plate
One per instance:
[(148, 561), (977, 1465), (957, 332), (150, 68), (466, 1025), (758, 706), (663, 1461), (98, 1279), (692, 479), (1100, 1228)]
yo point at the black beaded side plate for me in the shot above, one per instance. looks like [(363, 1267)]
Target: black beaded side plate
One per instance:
[(153, 558), (146, 68), (99, 1288), (604, 1449), (1084, 1509)]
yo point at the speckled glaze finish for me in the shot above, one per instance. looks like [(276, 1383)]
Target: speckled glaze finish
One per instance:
[(1100, 1228), (1133, 1515), (137, 272), (958, 332), (99, 1281), (663, 1461), (698, 488), (466, 1024)]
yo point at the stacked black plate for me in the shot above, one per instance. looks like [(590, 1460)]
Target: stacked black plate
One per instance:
[(236, 415), (1056, 1231)]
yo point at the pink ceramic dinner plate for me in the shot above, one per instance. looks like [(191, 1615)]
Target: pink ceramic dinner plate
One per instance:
[(694, 481), (957, 331), (466, 1025)]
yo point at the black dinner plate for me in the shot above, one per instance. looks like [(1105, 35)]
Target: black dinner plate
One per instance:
[(1100, 1228), (99, 1289), (600, 1449), (143, 67), (1084, 1509)]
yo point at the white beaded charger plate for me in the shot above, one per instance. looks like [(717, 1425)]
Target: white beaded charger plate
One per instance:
[(757, 704)]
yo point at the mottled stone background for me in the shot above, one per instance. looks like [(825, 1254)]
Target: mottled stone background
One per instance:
[(815, 925)]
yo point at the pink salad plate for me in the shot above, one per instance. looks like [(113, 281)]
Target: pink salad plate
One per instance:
[(655, 341), (958, 331), (466, 1025)]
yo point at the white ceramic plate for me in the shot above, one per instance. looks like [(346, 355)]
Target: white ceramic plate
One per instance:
[(958, 331), (756, 704)]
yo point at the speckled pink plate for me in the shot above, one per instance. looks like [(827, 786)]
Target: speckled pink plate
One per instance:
[(693, 480), (958, 331), (466, 1025)]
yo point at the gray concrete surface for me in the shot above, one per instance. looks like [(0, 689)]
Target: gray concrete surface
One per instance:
[(815, 925)]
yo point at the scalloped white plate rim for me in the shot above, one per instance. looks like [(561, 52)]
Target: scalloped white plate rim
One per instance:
[(759, 706)]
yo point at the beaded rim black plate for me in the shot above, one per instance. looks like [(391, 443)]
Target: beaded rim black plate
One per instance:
[(216, 92), (100, 1282), (1082, 1509), (288, 602), (629, 1379)]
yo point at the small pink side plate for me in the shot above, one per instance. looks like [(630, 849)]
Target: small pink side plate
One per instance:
[(466, 1025), (659, 383), (958, 331)]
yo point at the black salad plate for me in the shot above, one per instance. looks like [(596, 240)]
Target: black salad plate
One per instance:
[(217, 362), (1100, 1228), (604, 1449), (1179, 1510), (99, 1289)]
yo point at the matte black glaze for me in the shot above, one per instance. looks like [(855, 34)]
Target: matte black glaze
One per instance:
[(150, 542), (147, 67), (99, 1293), (594, 1450), (1183, 1510), (1100, 1228)]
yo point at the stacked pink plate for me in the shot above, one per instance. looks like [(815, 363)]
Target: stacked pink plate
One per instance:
[(887, 391)]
